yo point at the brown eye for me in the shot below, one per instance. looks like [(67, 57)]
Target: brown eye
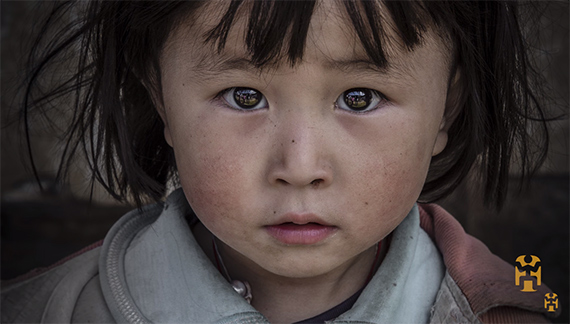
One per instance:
[(245, 98), (359, 99)]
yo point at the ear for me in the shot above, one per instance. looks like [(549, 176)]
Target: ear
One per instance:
[(453, 106), (162, 113), (158, 103)]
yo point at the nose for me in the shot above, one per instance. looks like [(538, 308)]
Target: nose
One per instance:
[(301, 157)]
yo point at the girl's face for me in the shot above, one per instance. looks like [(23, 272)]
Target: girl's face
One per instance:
[(301, 170)]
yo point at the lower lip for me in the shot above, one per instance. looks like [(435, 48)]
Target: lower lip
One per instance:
[(306, 234)]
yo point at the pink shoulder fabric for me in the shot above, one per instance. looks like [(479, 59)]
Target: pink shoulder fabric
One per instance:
[(38, 271), (486, 280)]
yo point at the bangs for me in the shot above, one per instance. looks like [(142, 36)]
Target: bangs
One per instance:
[(277, 30)]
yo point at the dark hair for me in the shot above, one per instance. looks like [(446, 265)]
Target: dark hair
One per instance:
[(117, 46)]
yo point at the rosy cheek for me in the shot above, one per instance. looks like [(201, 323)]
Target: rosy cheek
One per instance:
[(211, 183), (390, 176)]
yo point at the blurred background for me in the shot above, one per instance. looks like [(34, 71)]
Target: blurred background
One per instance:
[(39, 229)]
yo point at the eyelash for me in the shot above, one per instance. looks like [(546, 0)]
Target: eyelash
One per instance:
[(377, 96)]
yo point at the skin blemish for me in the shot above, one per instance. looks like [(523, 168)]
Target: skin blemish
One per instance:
[(366, 203), (272, 122), (292, 141)]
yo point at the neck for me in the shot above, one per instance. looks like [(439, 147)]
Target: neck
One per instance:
[(285, 300)]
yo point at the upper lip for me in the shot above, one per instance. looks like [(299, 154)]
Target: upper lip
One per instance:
[(300, 219)]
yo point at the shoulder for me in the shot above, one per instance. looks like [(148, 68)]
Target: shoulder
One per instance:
[(71, 290), (44, 293), (478, 281)]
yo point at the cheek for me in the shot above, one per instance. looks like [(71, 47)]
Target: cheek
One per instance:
[(390, 186), (391, 164), (207, 178), (395, 149), (388, 197), (211, 171)]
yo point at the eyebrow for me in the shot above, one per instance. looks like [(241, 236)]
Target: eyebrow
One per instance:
[(215, 68), (399, 73), (361, 65)]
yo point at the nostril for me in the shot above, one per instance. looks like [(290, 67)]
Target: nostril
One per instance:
[(315, 183)]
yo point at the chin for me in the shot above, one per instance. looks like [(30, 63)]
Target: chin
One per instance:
[(298, 267), (300, 272)]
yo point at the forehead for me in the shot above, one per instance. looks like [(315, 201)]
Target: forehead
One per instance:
[(331, 41)]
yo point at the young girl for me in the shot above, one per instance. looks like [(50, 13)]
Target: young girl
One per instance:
[(301, 135)]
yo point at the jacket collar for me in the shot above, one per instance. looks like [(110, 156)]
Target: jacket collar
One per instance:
[(153, 271), (405, 286)]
